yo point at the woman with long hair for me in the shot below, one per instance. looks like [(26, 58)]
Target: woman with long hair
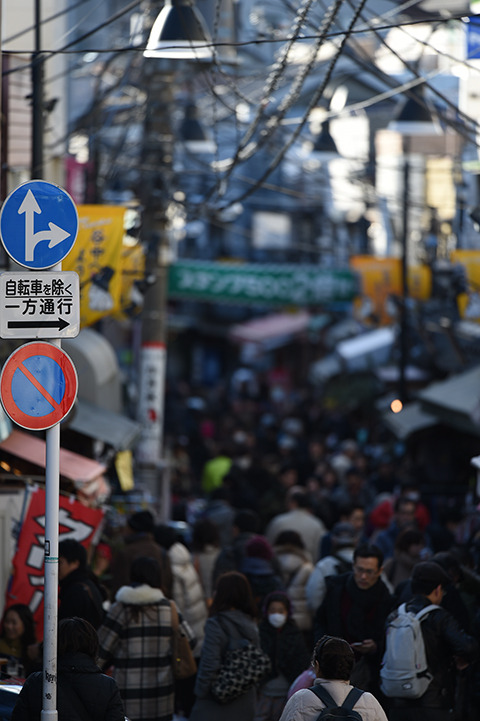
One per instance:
[(16, 635), (136, 639), (231, 622)]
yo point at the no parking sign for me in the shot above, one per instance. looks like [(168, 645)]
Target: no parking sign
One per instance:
[(38, 385)]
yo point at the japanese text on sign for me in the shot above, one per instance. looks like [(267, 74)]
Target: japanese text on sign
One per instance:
[(37, 296)]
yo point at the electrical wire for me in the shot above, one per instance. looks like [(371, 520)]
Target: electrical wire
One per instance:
[(244, 151), (414, 70), (46, 54), (219, 44), (44, 21), (313, 102), (370, 67)]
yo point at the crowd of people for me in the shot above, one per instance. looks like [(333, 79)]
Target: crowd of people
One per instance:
[(306, 536)]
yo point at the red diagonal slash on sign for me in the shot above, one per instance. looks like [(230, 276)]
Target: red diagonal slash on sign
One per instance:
[(19, 406)]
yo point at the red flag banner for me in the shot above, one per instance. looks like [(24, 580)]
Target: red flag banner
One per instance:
[(75, 521)]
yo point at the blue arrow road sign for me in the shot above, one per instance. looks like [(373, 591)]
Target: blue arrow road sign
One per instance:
[(38, 224)]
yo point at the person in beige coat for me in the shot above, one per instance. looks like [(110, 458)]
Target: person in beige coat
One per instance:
[(295, 566)]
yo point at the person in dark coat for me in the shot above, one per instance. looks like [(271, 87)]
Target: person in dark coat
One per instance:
[(245, 525), (139, 543), (231, 622), (80, 594), (447, 648), (355, 607), (283, 642), (258, 567), (83, 691)]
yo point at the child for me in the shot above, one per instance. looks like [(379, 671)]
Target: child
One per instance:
[(283, 641)]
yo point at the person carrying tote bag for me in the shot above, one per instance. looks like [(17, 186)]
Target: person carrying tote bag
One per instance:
[(230, 626), (136, 639)]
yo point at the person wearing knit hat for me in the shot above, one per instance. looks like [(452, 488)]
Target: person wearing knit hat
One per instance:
[(257, 566), (283, 642), (259, 547)]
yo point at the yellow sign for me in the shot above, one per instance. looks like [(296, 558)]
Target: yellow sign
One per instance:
[(96, 257), (382, 277), (132, 269), (124, 468), (468, 304)]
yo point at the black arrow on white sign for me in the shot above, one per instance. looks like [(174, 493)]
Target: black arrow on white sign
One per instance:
[(59, 323)]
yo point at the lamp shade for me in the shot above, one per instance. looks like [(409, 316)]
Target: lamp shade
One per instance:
[(193, 134), (179, 32), (324, 146), (415, 117)]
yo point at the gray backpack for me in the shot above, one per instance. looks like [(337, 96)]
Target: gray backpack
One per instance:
[(404, 671)]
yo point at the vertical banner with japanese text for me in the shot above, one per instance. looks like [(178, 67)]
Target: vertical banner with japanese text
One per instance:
[(97, 260), (75, 521)]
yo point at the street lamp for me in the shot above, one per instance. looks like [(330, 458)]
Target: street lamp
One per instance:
[(414, 119), (179, 32)]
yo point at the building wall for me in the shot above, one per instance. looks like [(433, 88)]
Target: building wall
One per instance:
[(18, 43)]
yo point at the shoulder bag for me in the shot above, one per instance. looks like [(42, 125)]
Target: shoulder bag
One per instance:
[(183, 661), (241, 669)]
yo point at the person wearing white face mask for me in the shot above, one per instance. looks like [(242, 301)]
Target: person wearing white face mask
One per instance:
[(283, 641)]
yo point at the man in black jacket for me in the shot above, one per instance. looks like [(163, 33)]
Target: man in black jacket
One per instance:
[(355, 607), (447, 647), (79, 594)]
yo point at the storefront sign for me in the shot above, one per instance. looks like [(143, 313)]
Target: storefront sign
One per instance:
[(75, 521), (260, 284)]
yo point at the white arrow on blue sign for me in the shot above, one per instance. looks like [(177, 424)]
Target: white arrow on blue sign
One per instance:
[(38, 224)]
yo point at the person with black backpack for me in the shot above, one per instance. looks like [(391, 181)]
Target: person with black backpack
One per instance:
[(332, 697)]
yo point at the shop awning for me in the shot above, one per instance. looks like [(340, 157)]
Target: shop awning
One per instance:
[(112, 428), (271, 331), (85, 473), (455, 401), (410, 420)]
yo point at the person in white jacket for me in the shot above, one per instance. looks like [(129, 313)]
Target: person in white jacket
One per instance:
[(333, 660), (189, 597), (344, 539)]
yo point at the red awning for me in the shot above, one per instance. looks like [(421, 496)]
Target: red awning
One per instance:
[(85, 473), (272, 330)]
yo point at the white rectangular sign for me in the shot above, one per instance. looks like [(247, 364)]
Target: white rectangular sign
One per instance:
[(39, 305)]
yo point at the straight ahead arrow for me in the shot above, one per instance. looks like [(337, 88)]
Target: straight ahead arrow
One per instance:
[(60, 324)]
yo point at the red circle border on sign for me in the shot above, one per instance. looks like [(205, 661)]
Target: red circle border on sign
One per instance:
[(12, 363)]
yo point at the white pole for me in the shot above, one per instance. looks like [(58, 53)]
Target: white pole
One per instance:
[(52, 498), (50, 598)]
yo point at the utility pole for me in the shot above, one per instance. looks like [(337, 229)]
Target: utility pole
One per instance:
[(156, 181), (402, 386), (36, 171)]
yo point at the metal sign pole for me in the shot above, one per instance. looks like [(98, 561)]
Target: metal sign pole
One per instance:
[(50, 618), (33, 398), (50, 597)]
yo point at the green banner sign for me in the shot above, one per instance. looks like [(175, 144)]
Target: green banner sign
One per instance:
[(260, 284)]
